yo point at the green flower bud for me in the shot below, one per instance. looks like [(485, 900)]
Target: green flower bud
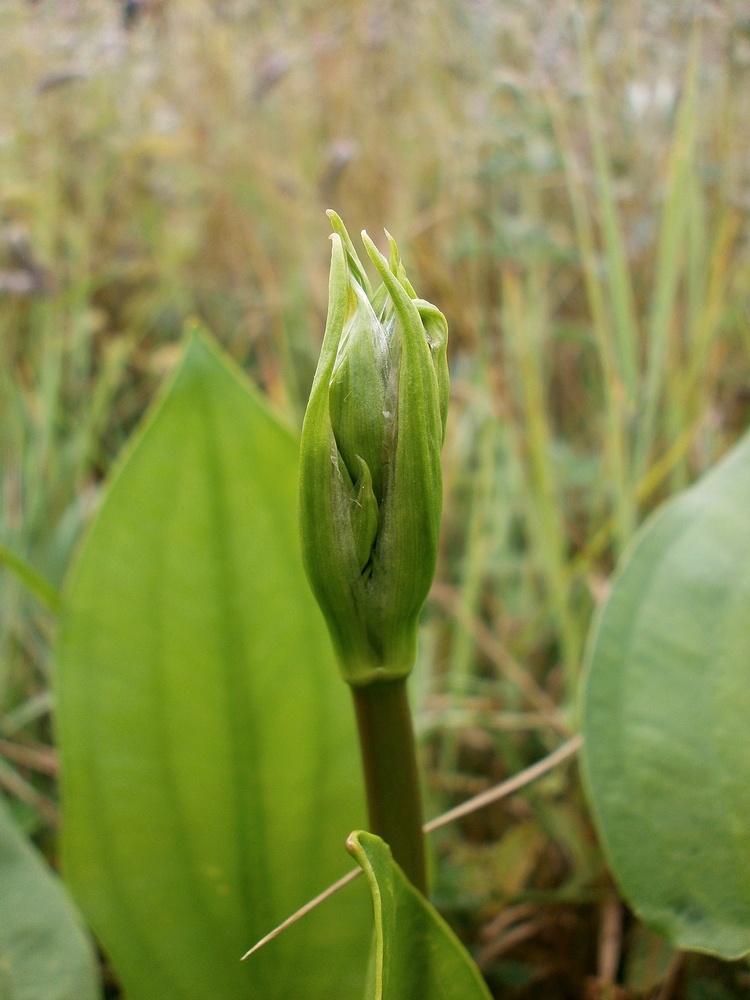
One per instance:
[(370, 490)]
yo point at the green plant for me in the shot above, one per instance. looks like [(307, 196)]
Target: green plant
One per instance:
[(178, 862), (585, 252), (370, 500), (181, 850), (666, 753), (370, 517), (44, 949)]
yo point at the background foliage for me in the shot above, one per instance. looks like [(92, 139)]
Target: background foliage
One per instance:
[(568, 183)]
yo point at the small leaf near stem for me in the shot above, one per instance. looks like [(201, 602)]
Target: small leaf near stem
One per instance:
[(494, 794)]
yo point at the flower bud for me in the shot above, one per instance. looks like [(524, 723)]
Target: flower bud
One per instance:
[(370, 491)]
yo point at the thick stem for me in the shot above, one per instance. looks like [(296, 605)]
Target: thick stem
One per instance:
[(389, 759)]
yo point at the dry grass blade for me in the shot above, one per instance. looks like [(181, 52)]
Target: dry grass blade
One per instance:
[(447, 598), (610, 940), (440, 713), (673, 975), (14, 784), (41, 759), (505, 788), (508, 916), (321, 898), (505, 942)]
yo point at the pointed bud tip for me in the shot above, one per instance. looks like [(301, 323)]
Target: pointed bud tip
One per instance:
[(372, 251)]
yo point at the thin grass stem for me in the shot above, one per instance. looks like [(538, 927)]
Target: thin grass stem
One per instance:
[(32, 579)]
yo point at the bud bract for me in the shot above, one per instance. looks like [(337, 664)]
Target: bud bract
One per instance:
[(370, 490)]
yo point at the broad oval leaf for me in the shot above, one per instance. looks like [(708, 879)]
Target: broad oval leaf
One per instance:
[(210, 765), (666, 709), (415, 953), (44, 949)]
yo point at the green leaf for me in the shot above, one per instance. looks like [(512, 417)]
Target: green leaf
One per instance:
[(667, 742), (415, 953), (44, 950), (210, 766)]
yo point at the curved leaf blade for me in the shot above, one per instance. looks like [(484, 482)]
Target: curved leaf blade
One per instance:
[(666, 704), (210, 767), (415, 953), (44, 949)]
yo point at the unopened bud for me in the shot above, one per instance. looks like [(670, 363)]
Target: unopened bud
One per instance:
[(370, 479)]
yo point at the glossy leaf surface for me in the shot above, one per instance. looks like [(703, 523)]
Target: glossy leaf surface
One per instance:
[(211, 772), (44, 950), (667, 703), (415, 953)]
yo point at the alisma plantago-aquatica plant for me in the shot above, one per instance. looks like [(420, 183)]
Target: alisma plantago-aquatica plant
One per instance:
[(370, 501)]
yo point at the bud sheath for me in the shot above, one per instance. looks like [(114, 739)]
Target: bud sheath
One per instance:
[(370, 478)]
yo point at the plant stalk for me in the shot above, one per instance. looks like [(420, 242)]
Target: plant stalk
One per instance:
[(389, 760)]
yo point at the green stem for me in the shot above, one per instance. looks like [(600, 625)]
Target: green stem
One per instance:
[(389, 760)]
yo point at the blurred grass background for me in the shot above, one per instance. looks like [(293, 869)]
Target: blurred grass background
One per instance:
[(569, 183)]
